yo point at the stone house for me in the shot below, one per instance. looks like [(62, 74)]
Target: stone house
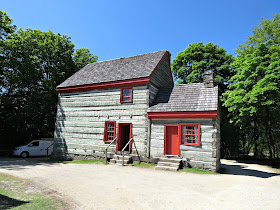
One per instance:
[(135, 98)]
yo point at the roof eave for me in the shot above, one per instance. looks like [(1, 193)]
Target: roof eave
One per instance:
[(105, 85), (185, 115)]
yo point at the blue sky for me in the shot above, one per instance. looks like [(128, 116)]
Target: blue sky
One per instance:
[(119, 28)]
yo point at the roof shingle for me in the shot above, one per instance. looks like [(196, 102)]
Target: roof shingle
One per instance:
[(186, 97), (113, 70)]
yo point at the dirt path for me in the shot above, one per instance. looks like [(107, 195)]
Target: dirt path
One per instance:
[(243, 186)]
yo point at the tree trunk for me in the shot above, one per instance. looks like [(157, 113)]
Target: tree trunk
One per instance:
[(271, 143)]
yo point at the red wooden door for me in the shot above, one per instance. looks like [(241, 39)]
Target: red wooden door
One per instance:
[(123, 136), (171, 144)]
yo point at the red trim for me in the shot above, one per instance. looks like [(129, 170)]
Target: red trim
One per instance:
[(121, 83), (105, 130), (121, 98), (198, 133), (177, 115)]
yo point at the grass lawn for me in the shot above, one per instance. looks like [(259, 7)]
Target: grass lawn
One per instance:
[(15, 194), (196, 171), (75, 161)]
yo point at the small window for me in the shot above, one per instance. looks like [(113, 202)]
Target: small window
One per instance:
[(190, 134), (109, 131), (126, 95)]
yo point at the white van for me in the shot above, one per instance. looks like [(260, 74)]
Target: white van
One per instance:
[(42, 147)]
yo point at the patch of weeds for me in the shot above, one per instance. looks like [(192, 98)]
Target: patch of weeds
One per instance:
[(196, 171), (13, 195), (143, 164), (101, 161)]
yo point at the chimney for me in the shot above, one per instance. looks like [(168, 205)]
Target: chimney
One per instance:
[(208, 79)]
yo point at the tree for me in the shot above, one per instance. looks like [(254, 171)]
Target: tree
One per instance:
[(189, 65), (33, 64), (83, 56), (5, 25), (253, 98)]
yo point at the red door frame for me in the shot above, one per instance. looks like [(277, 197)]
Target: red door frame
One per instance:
[(120, 134), (165, 136)]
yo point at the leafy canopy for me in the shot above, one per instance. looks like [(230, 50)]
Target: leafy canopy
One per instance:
[(189, 65), (253, 98), (5, 25), (32, 64)]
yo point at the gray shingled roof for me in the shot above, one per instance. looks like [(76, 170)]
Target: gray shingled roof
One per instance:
[(187, 97), (113, 70)]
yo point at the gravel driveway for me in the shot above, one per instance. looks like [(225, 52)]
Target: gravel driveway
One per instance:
[(92, 186)]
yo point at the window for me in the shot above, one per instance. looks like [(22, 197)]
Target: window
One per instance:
[(109, 131), (34, 144), (190, 134), (126, 95)]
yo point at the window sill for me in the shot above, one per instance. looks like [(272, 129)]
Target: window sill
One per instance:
[(196, 145)]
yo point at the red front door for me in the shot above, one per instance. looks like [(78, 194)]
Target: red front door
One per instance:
[(124, 135), (171, 140)]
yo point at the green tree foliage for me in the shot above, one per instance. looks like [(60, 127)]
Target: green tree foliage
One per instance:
[(83, 56), (189, 65), (5, 25), (253, 98), (33, 63)]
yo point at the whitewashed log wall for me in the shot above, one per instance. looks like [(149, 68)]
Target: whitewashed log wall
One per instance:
[(161, 78), (81, 119), (205, 156)]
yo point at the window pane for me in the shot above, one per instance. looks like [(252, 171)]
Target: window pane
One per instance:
[(126, 95), (110, 131), (189, 134)]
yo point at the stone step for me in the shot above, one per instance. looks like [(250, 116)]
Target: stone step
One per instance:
[(168, 164), (113, 161), (125, 153), (166, 168), (170, 160), (119, 157), (125, 161)]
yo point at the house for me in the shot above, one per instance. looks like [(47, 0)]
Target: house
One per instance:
[(135, 97)]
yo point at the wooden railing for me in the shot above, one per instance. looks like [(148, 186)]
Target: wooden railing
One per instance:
[(107, 149), (131, 140)]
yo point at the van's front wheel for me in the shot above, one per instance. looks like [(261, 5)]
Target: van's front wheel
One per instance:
[(24, 154)]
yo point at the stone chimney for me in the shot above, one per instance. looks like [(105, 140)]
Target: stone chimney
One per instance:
[(208, 79)]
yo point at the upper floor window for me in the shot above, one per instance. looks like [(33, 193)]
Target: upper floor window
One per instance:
[(126, 95), (109, 131), (190, 134)]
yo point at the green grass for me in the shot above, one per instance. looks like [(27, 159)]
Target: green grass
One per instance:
[(196, 171), (13, 195), (143, 164), (75, 161)]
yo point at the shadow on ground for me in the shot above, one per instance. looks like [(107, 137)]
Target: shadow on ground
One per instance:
[(11, 163), (8, 203), (243, 170)]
